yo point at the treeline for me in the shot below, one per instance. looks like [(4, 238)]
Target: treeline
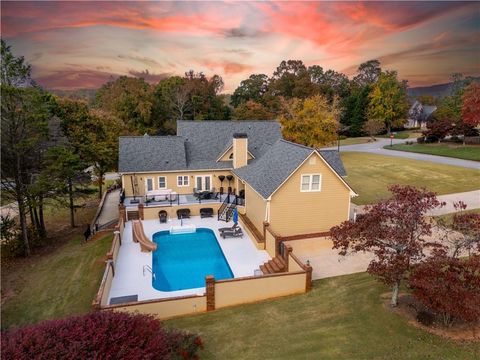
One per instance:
[(47, 143), (313, 104)]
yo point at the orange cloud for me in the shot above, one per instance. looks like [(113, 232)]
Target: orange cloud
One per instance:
[(228, 67)]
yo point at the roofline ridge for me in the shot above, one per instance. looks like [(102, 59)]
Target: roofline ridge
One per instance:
[(299, 145), (150, 136)]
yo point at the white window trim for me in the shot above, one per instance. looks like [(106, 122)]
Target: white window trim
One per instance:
[(310, 183), (183, 177), (146, 184), (204, 176), (158, 183)]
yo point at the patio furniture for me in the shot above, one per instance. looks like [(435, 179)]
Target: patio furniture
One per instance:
[(231, 228), (183, 214), (158, 195), (206, 212), (237, 232), (162, 216)]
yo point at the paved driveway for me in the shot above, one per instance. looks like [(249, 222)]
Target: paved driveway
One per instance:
[(377, 148), (325, 261)]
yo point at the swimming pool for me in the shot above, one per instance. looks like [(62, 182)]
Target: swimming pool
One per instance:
[(182, 261)]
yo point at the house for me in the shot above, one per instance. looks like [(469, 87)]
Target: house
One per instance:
[(419, 115), (294, 190)]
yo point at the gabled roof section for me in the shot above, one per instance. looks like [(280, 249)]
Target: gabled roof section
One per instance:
[(207, 140), (266, 174), (332, 157), (151, 153), (281, 160)]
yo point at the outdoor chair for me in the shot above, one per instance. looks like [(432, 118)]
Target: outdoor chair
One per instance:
[(231, 228), (237, 232), (183, 214), (162, 216), (206, 212)]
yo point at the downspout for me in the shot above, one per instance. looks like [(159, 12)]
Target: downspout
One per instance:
[(267, 210)]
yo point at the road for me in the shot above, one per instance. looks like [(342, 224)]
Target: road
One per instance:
[(377, 148)]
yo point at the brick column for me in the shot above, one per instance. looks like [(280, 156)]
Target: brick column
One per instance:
[(140, 211), (288, 251), (210, 290), (308, 282), (122, 212)]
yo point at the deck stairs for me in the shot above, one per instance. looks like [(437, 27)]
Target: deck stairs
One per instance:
[(225, 212), (276, 265)]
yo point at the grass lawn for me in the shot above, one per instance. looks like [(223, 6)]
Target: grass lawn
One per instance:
[(370, 175), (58, 284), (341, 318), (467, 152)]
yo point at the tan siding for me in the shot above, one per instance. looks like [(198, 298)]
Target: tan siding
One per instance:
[(240, 147), (293, 212), (172, 181), (255, 207), (241, 291), (226, 156)]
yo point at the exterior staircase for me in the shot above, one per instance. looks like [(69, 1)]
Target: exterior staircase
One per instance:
[(276, 265), (225, 212)]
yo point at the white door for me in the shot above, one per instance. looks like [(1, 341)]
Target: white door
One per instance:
[(204, 183), (149, 184)]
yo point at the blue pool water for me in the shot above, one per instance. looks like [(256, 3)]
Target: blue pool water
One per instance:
[(182, 261)]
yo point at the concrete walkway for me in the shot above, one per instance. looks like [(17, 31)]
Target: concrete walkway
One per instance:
[(377, 148), (110, 208), (470, 198)]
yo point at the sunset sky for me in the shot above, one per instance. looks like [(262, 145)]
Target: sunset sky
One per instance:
[(84, 44)]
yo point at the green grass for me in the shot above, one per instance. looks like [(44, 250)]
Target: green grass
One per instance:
[(341, 318), (370, 175), (354, 141), (61, 283), (467, 152)]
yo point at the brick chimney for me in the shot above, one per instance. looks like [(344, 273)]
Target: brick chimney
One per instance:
[(240, 150)]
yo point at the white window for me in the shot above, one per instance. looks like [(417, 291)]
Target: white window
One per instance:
[(183, 180), (149, 184), (203, 182), (162, 182), (311, 182)]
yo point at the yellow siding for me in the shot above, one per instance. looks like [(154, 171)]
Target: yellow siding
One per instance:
[(172, 181), (255, 289), (226, 156), (270, 244), (240, 147), (164, 309), (255, 207), (151, 212), (293, 212)]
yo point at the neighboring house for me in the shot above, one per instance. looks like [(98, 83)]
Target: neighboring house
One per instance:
[(295, 190), (419, 115)]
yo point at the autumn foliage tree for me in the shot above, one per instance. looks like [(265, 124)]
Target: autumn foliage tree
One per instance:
[(395, 231), (449, 286), (312, 122), (471, 105)]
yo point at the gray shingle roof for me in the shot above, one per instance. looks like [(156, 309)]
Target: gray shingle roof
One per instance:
[(266, 174), (332, 157), (151, 153), (207, 140)]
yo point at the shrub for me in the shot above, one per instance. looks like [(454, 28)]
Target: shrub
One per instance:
[(425, 317), (449, 286), (421, 139), (100, 335)]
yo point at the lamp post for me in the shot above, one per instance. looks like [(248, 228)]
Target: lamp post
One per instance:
[(391, 140)]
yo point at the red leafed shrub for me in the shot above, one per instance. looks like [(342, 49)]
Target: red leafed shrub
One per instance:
[(100, 335), (449, 286)]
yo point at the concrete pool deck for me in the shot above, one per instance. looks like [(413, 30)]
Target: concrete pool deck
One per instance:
[(129, 280)]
